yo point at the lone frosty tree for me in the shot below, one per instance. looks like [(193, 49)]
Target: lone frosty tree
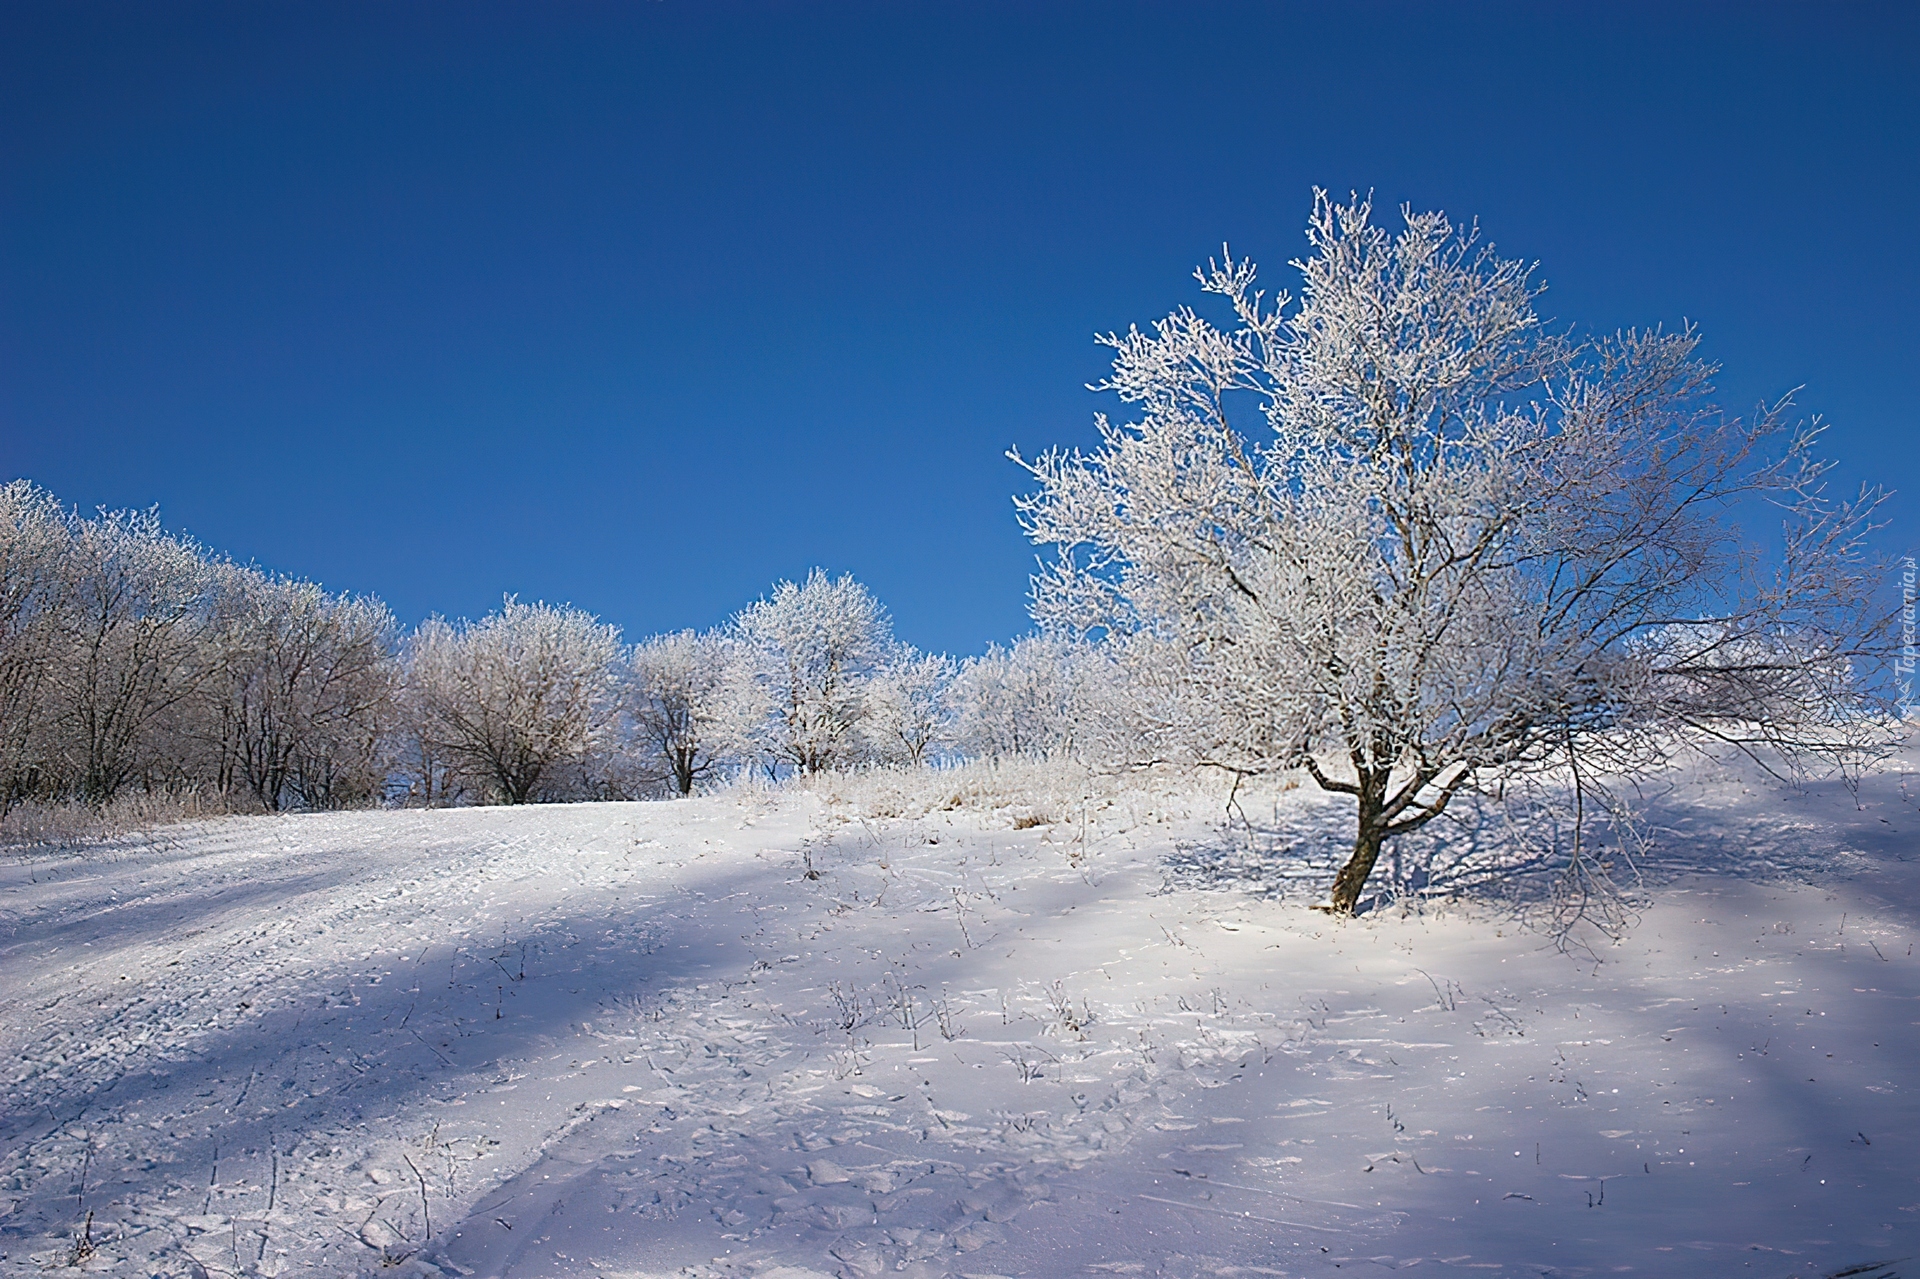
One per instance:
[(1463, 544)]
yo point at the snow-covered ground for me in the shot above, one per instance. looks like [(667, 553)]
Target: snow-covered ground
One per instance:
[(872, 1031)]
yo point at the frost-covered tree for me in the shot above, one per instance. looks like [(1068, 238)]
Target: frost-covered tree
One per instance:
[(34, 542), (133, 644), (301, 692), (131, 655), (683, 703), (1460, 545), (1043, 695), (909, 710), (809, 652), (516, 701)]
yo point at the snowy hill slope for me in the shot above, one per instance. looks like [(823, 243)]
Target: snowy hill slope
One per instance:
[(642, 1040)]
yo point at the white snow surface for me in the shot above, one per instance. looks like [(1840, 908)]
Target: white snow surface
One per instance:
[(639, 1040)]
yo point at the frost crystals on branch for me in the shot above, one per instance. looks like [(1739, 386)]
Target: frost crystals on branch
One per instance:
[(1462, 546)]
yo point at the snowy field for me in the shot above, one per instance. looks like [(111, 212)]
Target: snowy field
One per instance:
[(874, 1031)]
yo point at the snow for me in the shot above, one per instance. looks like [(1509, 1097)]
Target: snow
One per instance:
[(990, 1035)]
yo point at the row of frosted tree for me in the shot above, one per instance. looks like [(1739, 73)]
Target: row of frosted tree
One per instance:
[(134, 658)]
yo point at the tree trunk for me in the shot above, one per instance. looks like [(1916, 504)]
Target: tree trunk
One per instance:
[(1371, 834)]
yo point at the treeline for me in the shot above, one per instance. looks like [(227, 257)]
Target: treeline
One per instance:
[(135, 658)]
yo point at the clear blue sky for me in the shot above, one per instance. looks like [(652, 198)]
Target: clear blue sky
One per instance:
[(642, 306)]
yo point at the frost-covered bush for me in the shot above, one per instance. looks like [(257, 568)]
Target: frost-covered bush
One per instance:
[(1015, 792), (76, 824)]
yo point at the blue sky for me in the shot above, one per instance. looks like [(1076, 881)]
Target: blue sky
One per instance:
[(643, 306)]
